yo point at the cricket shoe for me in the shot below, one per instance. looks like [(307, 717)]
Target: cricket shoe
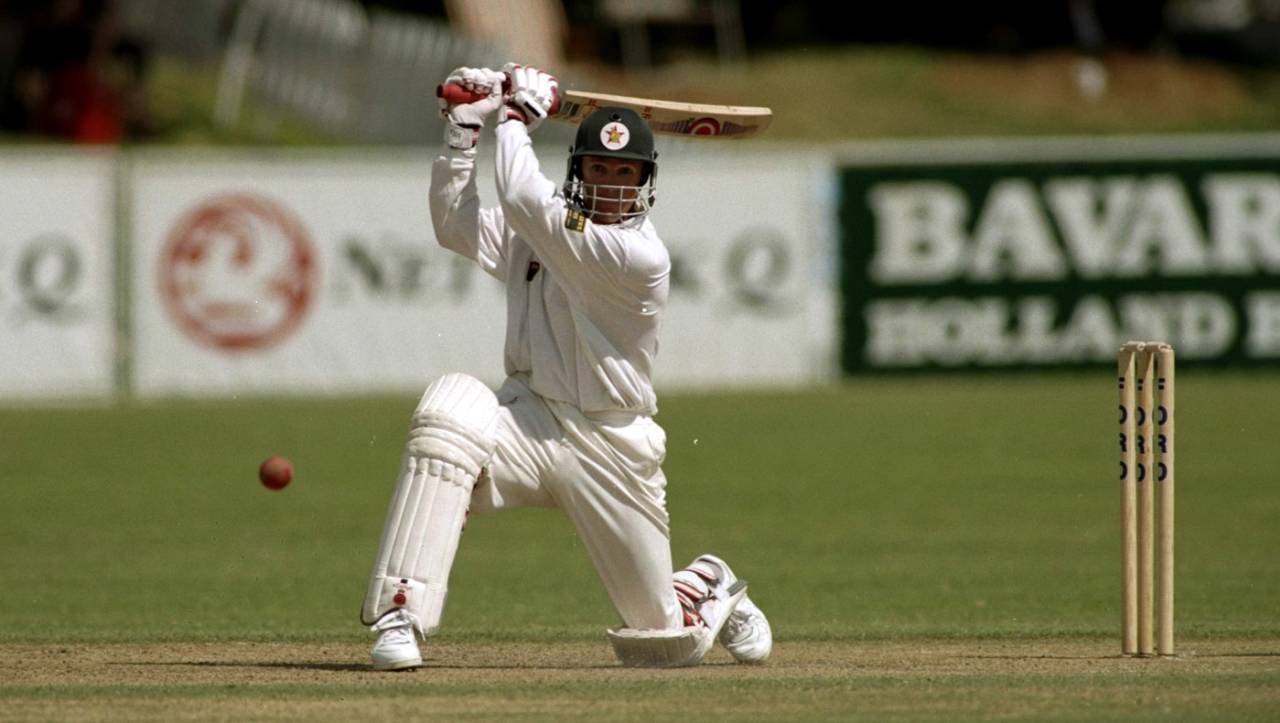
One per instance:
[(746, 634), (396, 647)]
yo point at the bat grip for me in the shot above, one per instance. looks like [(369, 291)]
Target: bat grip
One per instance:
[(455, 94)]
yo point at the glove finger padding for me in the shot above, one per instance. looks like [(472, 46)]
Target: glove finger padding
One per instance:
[(482, 81), (533, 94), (476, 80), (455, 75)]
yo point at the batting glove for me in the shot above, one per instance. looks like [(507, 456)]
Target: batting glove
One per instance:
[(533, 94), (464, 121)]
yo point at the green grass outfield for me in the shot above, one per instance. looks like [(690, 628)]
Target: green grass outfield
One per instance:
[(889, 528)]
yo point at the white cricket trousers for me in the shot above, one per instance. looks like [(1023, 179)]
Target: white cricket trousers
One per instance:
[(605, 472)]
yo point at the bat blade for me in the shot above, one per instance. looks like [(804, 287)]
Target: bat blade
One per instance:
[(698, 120), (671, 117)]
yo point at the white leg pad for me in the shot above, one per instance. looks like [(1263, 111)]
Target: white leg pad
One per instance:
[(680, 647), (450, 440)]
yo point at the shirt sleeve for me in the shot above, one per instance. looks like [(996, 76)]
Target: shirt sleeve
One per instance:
[(460, 224), (597, 257)]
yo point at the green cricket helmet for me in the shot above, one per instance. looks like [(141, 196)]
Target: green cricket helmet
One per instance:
[(612, 132)]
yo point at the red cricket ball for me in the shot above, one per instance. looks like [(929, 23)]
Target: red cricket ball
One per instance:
[(275, 472)]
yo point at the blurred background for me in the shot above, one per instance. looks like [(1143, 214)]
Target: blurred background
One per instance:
[(213, 196), (363, 71)]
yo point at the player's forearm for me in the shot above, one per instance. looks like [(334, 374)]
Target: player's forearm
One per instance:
[(455, 202), (527, 196), (531, 203)]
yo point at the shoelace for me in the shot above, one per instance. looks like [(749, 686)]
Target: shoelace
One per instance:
[(736, 628), (399, 619), (398, 635)]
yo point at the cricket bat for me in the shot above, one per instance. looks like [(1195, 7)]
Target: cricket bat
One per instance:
[(667, 117)]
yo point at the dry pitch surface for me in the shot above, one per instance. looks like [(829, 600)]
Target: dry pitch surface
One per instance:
[(932, 680)]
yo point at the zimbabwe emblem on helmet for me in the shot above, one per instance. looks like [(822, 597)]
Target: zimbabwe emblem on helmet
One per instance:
[(615, 136)]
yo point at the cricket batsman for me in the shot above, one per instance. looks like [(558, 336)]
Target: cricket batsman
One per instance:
[(586, 280)]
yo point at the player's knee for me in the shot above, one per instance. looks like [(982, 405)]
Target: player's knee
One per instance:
[(454, 422)]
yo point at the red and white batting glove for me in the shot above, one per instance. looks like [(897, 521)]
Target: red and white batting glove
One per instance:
[(464, 121), (532, 95)]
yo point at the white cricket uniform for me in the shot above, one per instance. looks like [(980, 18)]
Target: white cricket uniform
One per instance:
[(575, 428)]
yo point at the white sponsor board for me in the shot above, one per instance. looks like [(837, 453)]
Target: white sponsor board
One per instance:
[(56, 307), (319, 272), (300, 272), (748, 298)]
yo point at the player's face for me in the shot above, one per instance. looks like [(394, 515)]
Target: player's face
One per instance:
[(613, 186)]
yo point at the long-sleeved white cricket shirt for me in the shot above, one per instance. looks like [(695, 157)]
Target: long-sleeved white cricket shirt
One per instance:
[(583, 307)]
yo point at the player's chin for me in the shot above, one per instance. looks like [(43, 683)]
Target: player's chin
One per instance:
[(606, 216)]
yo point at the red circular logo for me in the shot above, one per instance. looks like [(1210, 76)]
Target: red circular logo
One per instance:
[(704, 127), (237, 272)]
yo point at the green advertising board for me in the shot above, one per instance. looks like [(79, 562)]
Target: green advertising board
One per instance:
[(1026, 255)]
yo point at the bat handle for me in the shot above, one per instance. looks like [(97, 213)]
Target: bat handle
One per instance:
[(455, 94)]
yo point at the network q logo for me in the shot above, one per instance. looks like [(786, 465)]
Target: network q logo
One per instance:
[(237, 273)]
